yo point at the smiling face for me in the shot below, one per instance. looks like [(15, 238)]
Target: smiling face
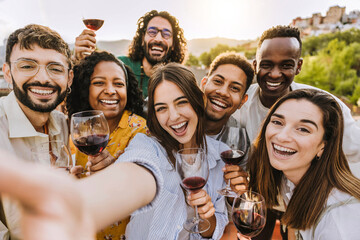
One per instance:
[(175, 113), (40, 93), (277, 63), (157, 48), (294, 137), (107, 91), (225, 92)]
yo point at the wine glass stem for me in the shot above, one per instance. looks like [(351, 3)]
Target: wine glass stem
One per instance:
[(228, 185), (196, 214)]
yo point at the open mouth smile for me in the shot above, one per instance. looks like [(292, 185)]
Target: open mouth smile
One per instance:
[(179, 129), (284, 151)]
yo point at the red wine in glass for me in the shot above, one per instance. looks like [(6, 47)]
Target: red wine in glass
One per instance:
[(248, 223), (93, 24), (193, 184), (232, 157), (92, 144)]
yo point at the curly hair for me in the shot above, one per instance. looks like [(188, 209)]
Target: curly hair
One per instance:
[(237, 60), (40, 35), (136, 51), (78, 99), (281, 31)]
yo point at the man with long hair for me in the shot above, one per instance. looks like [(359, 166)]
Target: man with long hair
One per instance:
[(158, 39)]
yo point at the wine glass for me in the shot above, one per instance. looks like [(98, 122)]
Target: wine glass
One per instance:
[(249, 213), (53, 153), (193, 169), (238, 142), (93, 24), (89, 131)]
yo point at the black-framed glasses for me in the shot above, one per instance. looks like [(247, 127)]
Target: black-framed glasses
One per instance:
[(153, 31), (30, 68)]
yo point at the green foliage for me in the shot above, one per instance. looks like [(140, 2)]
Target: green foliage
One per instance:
[(192, 61)]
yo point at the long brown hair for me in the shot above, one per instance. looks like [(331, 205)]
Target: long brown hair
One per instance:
[(185, 80), (324, 174)]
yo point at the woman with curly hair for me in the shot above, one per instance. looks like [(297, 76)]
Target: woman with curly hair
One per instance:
[(102, 82)]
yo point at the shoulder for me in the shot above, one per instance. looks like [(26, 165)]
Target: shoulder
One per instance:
[(128, 61)]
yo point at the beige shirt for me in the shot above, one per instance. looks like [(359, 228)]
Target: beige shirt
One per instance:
[(18, 136)]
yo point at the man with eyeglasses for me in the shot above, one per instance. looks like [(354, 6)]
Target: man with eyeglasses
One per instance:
[(38, 66), (158, 39)]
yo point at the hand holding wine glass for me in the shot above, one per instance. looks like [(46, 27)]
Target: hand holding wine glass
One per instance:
[(89, 131), (249, 213), (193, 169), (237, 140), (53, 153)]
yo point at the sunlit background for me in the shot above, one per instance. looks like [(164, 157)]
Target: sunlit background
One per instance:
[(237, 19)]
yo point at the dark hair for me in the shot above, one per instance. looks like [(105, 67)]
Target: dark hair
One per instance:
[(185, 80), (136, 52), (283, 32), (330, 171), (237, 60), (43, 36), (78, 99)]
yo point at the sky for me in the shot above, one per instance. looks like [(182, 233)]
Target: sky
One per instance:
[(236, 19)]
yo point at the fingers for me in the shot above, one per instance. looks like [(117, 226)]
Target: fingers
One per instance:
[(103, 160), (203, 201), (237, 176), (85, 44), (77, 171)]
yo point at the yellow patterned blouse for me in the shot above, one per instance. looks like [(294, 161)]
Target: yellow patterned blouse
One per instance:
[(129, 125)]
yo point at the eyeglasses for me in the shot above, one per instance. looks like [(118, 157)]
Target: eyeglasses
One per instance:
[(153, 31), (30, 68)]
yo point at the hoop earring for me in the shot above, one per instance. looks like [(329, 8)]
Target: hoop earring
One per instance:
[(68, 90)]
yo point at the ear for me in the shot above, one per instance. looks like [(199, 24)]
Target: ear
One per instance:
[(320, 152), (203, 83), (7, 73), (243, 100), (71, 77), (298, 69), (254, 64)]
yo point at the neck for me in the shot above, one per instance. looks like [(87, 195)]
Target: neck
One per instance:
[(113, 123), (37, 119), (214, 127), (147, 67), (268, 101)]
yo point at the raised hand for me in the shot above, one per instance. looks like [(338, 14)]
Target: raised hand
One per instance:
[(85, 44), (237, 177)]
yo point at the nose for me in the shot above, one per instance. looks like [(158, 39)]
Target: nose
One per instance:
[(109, 89), (158, 36), (223, 91), (173, 114), (42, 75), (284, 135), (275, 72)]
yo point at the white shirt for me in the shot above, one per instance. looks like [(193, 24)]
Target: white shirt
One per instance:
[(164, 220), (18, 136), (252, 114), (340, 223)]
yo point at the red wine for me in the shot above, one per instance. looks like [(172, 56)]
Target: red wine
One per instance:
[(193, 184), (92, 144), (248, 223), (93, 24), (232, 157)]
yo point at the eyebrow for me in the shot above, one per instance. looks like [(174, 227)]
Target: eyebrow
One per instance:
[(34, 60), (234, 82), (301, 120), (177, 99)]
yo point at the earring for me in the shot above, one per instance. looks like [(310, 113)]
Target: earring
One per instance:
[(317, 158), (68, 90), (9, 86)]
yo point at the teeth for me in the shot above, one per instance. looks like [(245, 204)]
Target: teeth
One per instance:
[(42, 92), (109, 101), (156, 48), (273, 84), (218, 103), (178, 125), (283, 149)]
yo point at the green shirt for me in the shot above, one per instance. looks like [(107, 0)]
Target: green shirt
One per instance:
[(142, 79)]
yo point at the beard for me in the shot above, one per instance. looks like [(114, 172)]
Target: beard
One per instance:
[(155, 60), (23, 97)]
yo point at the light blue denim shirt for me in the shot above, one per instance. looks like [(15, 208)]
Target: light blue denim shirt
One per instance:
[(164, 217)]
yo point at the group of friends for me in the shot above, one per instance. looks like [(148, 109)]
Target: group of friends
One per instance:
[(304, 157)]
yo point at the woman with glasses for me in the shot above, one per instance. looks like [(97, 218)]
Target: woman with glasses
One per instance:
[(102, 82)]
